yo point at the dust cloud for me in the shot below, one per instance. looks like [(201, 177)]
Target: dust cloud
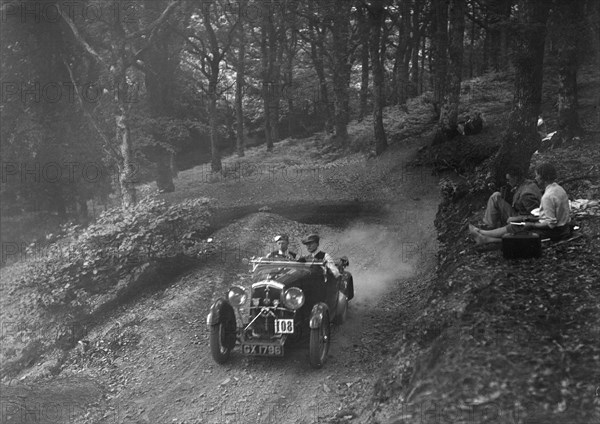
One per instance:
[(401, 247)]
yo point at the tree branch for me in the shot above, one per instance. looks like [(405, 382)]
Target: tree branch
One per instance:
[(79, 37), (106, 145), (153, 26)]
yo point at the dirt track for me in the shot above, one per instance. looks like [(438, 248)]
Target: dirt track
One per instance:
[(162, 372)]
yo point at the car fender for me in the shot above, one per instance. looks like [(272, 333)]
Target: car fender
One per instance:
[(342, 299), (348, 285), (317, 315), (217, 310)]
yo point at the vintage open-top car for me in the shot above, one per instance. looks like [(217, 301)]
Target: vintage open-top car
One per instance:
[(286, 301)]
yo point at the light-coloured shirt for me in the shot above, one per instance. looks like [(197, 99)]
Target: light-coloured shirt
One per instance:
[(281, 254), (554, 207)]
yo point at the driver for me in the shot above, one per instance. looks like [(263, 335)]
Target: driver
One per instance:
[(312, 244), (282, 241)]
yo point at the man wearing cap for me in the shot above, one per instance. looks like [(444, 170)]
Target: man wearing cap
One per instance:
[(282, 241), (314, 254)]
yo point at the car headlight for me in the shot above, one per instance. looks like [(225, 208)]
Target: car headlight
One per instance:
[(293, 298), (237, 296)]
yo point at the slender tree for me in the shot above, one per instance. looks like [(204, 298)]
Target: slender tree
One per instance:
[(364, 31), (340, 30), (377, 18), (417, 30), (439, 50), (449, 111), (240, 81), (270, 86), (569, 22), (400, 18)]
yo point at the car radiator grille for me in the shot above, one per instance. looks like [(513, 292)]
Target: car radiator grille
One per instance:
[(264, 326)]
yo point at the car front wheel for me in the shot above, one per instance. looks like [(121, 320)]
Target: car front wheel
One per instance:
[(319, 343), (218, 343)]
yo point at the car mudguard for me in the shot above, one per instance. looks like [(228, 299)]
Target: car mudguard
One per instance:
[(217, 310), (317, 315), (348, 285)]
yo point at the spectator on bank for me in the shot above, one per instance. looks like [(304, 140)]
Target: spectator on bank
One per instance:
[(515, 201), (554, 216)]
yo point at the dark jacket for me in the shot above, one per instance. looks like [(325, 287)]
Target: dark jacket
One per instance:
[(526, 197)]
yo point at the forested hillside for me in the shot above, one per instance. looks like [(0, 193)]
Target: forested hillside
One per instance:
[(149, 147), (97, 96)]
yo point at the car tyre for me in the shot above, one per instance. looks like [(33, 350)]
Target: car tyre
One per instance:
[(218, 347), (320, 338)]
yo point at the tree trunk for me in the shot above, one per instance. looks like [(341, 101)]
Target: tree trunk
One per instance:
[(415, 42), (341, 71), (317, 54), (289, 79), (126, 165), (82, 210), (521, 138), (239, 87), (497, 33), (570, 18), (161, 63), (472, 41), (364, 29), (449, 110), (413, 88), (266, 73), (377, 20), (215, 154), (421, 78), (164, 175), (275, 57), (173, 166), (440, 47), (405, 76)]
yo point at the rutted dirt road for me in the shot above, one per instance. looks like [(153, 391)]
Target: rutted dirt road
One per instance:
[(159, 369)]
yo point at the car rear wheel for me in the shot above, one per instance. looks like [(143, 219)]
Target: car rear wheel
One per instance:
[(319, 343)]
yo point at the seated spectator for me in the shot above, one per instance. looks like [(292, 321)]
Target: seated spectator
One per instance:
[(523, 197), (554, 217), (283, 242)]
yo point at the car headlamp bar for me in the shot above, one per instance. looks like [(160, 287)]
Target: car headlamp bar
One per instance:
[(252, 322), (262, 311)]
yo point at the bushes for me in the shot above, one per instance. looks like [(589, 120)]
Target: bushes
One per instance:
[(95, 259)]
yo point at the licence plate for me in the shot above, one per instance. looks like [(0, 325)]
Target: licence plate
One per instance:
[(284, 326), (262, 350)]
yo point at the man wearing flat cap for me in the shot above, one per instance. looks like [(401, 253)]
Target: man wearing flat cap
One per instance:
[(282, 241), (314, 254)]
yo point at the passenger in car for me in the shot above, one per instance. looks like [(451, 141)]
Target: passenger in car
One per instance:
[(314, 254), (283, 242)]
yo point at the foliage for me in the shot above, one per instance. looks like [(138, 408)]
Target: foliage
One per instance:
[(89, 260)]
